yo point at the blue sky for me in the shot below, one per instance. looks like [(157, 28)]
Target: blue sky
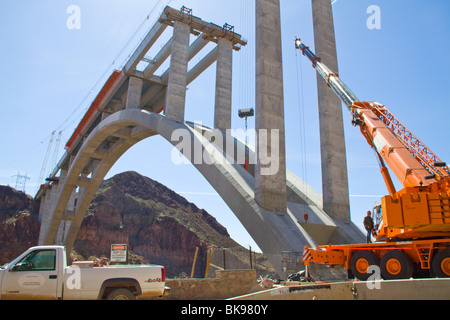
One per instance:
[(51, 74)]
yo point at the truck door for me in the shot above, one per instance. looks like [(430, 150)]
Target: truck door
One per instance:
[(33, 277)]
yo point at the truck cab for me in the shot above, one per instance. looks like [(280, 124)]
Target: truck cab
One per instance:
[(36, 274)]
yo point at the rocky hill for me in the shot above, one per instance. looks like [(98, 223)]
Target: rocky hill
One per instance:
[(19, 226), (159, 226)]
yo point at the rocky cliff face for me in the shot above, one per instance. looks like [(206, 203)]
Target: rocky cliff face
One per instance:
[(154, 221), (19, 226), (159, 226)]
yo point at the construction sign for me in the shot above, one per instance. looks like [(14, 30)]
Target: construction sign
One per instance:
[(118, 253)]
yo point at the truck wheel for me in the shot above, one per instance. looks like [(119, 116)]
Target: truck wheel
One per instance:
[(121, 294), (360, 263), (441, 264), (396, 265)]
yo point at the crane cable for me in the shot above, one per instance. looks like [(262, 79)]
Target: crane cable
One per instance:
[(246, 61), (301, 114)]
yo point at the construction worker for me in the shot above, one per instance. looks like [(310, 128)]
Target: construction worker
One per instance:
[(368, 225)]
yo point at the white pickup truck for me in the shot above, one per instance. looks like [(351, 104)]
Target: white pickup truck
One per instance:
[(41, 273)]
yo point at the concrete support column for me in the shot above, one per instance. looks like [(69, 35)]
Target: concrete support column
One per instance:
[(42, 206), (336, 201), (224, 82), (270, 187), (134, 94), (77, 218), (71, 204), (50, 205), (176, 88), (63, 230), (47, 212)]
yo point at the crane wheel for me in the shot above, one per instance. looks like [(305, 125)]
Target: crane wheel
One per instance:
[(441, 264), (396, 265), (360, 263)]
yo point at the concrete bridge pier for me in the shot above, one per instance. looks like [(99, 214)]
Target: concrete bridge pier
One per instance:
[(224, 76), (332, 141), (178, 76), (134, 94), (270, 185)]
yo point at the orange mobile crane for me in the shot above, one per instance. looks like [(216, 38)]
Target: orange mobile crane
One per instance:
[(413, 225)]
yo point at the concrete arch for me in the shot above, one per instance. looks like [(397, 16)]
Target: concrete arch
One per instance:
[(273, 232), (127, 133)]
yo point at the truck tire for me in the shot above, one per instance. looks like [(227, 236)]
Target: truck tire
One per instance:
[(121, 294), (441, 264), (396, 265), (360, 263)]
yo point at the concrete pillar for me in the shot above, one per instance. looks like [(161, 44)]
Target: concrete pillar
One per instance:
[(47, 212), (71, 229), (50, 205), (176, 89), (224, 75), (334, 162), (42, 205), (63, 230), (270, 187), (134, 94), (72, 200)]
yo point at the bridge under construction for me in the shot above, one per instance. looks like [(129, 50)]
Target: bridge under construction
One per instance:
[(279, 210)]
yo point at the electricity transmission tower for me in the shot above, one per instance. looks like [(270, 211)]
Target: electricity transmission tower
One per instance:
[(21, 181)]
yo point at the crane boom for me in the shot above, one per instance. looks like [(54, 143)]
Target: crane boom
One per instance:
[(410, 160), (333, 81)]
